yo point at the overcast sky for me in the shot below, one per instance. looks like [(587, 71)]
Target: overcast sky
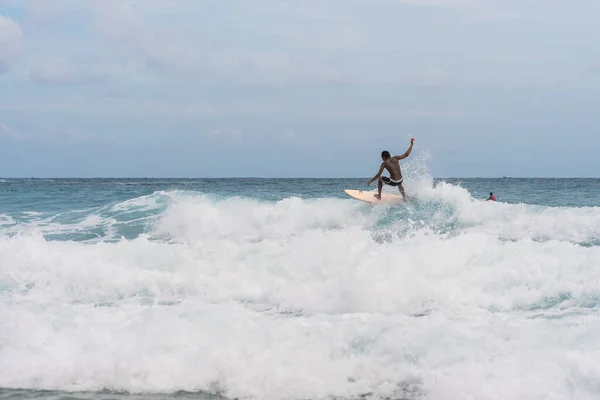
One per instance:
[(198, 88)]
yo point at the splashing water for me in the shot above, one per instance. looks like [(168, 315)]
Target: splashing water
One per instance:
[(187, 286)]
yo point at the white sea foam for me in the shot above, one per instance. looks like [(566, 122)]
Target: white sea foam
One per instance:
[(310, 299), (510, 221), (6, 220), (98, 224)]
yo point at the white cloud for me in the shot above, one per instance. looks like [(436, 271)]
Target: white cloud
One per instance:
[(284, 42), (10, 41), (264, 105), (165, 49), (262, 42)]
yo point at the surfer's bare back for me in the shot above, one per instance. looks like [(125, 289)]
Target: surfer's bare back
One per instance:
[(393, 167)]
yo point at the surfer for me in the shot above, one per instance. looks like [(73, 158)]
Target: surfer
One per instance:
[(492, 197), (393, 167)]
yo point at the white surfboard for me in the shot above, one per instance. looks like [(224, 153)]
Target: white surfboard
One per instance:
[(369, 197)]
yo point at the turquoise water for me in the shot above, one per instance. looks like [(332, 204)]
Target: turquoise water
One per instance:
[(288, 288), (120, 206)]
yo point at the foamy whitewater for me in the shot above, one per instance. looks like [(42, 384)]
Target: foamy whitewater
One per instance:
[(289, 289)]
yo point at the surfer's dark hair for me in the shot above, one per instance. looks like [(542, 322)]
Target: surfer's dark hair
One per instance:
[(385, 154)]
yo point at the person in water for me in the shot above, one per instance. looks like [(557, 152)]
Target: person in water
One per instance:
[(492, 197), (393, 167)]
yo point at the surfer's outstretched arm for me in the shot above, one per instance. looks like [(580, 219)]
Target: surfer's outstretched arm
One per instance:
[(407, 153), (377, 175)]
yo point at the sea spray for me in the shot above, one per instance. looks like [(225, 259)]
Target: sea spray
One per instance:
[(447, 296)]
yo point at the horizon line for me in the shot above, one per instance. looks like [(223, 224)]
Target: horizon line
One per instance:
[(292, 177)]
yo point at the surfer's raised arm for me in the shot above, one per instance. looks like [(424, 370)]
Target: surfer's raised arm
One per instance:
[(378, 174), (407, 153)]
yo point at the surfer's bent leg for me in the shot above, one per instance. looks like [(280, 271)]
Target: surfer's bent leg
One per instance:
[(379, 187)]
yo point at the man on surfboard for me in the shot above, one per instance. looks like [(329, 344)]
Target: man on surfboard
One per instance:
[(393, 167)]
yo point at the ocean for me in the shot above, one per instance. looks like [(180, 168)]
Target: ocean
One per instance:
[(289, 289)]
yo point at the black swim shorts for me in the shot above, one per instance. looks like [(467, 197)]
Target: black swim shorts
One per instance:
[(391, 182)]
